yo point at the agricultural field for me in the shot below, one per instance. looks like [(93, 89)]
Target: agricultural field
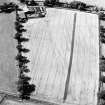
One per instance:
[(8, 51), (64, 56), (49, 45), (84, 79)]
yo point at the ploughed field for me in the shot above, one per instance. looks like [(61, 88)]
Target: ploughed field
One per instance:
[(64, 56)]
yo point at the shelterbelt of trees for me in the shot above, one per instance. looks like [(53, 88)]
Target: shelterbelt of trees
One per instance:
[(72, 5), (23, 86)]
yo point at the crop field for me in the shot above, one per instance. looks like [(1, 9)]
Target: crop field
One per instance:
[(84, 79), (64, 56), (49, 45), (8, 51)]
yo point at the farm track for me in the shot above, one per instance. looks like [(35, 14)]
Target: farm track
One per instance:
[(13, 98)]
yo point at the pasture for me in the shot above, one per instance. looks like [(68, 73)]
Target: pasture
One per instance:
[(8, 51)]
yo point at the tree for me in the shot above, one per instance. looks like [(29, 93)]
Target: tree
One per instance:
[(24, 87), (27, 90), (22, 20), (102, 16), (21, 49), (20, 29), (25, 70), (25, 50), (18, 34), (78, 5), (21, 39), (102, 39), (21, 58), (18, 24), (50, 2), (22, 1), (24, 81), (102, 78), (102, 29), (102, 95), (24, 60), (22, 65)]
